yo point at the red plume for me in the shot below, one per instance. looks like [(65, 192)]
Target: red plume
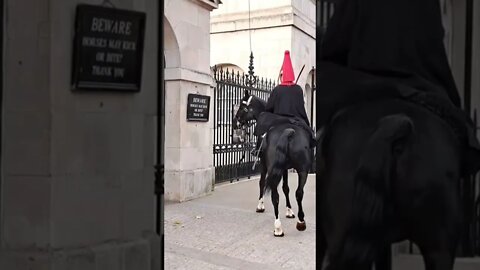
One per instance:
[(288, 77)]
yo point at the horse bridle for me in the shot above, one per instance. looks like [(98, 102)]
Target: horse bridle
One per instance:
[(246, 109)]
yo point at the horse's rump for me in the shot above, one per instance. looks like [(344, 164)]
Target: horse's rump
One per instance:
[(277, 158), (388, 165), (286, 146)]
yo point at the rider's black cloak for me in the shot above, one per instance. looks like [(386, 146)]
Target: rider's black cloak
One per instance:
[(390, 48), (285, 102)]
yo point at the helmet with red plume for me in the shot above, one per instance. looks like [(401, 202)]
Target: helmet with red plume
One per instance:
[(288, 77)]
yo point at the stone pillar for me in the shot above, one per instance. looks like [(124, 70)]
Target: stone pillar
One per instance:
[(188, 145), (77, 172), (189, 171)]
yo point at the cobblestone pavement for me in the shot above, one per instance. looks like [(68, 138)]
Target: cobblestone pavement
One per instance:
[(223, 231)]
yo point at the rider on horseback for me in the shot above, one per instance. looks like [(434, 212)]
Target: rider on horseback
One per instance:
[(286, 101)]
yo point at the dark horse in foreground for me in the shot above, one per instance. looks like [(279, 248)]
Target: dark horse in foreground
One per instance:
[(285, 146), (390, 171)]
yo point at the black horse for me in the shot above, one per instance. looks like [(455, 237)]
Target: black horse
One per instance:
[(285, 146), (390, 171), (249, 110)]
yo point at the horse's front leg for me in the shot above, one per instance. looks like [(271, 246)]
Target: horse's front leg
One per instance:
[(286, 191), (261, 183), (302, 180)]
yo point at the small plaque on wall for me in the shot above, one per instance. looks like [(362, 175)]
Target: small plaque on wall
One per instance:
[(198, 108), (108, 48)]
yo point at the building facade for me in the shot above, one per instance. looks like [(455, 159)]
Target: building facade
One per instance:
[(267, 28)]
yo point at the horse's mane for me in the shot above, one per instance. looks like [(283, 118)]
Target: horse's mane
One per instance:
[(263, 102)]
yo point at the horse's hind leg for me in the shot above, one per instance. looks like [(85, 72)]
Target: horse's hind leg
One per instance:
[(384, 259), (302, 180), (286, 191), (437, 258), (261, 183), (278, 225), (321, 247), (438, 230)]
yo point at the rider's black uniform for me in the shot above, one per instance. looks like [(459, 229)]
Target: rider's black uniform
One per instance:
[(285, 100)]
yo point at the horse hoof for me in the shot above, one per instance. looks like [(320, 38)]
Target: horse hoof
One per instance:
[(292, 216), (301, 226), (260, 210), (278, 235)]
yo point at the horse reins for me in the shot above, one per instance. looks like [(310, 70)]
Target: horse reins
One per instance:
[(244, 128)]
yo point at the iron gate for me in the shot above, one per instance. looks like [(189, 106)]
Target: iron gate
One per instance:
[(234, 161)]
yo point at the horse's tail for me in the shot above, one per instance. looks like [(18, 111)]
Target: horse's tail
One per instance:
[(275, 172), (372, 182)]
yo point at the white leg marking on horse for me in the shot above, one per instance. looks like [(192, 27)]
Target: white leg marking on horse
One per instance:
[(289, 212), (261, 205), (278, 227)]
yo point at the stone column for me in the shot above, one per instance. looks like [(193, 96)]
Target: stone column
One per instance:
[(189, 171)]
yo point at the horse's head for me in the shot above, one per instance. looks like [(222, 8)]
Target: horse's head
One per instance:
[(245, 112)]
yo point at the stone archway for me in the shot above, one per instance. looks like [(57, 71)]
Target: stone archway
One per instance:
[(171, 48), (230, 67)]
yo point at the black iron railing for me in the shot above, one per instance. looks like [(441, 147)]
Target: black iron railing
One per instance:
[(233, 161)]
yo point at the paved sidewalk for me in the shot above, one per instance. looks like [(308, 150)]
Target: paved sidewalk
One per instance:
[(223, 231)]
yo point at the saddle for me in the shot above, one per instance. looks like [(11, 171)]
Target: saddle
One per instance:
[(267, 121)]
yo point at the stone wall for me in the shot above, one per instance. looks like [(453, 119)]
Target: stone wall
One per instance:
[(78, 176)]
